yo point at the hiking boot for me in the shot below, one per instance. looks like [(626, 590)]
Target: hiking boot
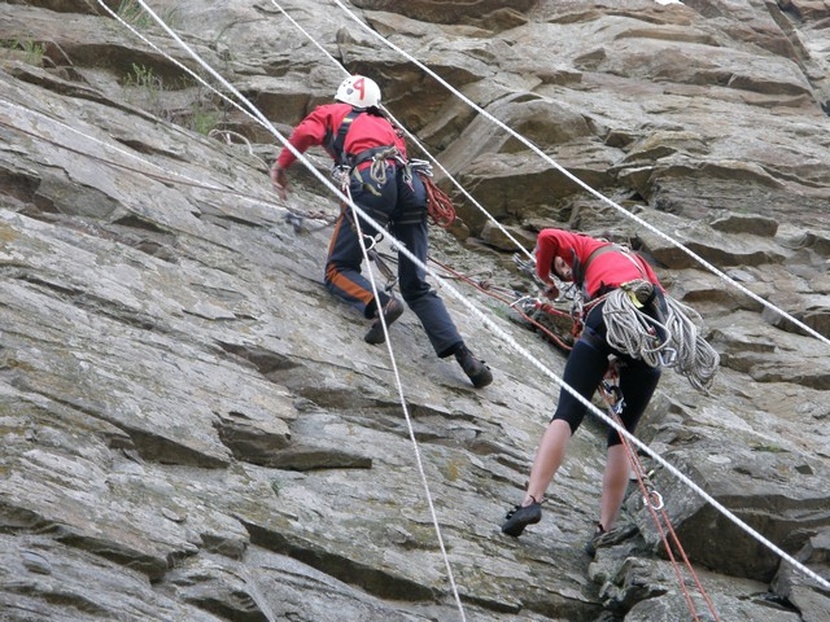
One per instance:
[(520, 517), (478, 373), (391, 312)]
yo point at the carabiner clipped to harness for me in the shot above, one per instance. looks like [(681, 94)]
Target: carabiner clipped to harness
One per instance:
[(424, 167), (340, 174), (385, 270), (654, 499), (613, 397), (370, 241)]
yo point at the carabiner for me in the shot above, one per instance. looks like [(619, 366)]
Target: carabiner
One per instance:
[(655, 495)]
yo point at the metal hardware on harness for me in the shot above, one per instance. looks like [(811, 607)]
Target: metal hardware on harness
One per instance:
[(371, 241), (658, 503), (525, 266), (385, 270), (424, 167), (340, 174), (614, 397), (668, 357), (526, 303)]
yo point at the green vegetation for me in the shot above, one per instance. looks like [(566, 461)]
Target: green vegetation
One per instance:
[(143, 76), (149, 87), (134, 14), (204, 120), (33, 52)]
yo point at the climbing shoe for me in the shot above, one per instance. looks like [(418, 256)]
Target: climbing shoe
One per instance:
[(595, 540), (602, 538), (391, 312), (520, 517), (478, 373)]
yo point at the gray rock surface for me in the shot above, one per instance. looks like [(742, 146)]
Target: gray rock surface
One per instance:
[(193, 429)]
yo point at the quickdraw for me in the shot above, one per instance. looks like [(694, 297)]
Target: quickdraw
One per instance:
[(383, 267)]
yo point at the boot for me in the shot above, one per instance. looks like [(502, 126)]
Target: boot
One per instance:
[(391, 312), (478, 373)]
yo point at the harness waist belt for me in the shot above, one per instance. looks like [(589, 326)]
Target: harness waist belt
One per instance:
[(369, 154)]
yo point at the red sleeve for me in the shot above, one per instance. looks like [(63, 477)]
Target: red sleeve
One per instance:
[(311, 131)]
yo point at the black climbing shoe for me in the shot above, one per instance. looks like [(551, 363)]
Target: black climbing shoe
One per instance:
[(602, 538), (478, 373), (520, 517), (391, 312), (595, 540)]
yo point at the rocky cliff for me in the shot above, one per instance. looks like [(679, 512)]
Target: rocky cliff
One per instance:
[(193, 429)]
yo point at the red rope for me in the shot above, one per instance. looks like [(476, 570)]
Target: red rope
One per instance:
[(549, 309), (439, 205), (639, 471)]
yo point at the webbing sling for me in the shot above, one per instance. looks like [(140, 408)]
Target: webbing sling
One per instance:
[(579, 270), (336, 143)]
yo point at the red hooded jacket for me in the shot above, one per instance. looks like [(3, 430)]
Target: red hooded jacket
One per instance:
[(605, 270), (367, 132)]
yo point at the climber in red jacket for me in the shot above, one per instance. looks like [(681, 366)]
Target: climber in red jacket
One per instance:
[(359, 137), (598, 267)]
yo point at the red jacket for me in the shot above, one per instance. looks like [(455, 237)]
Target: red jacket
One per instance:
[(609, 269), (367, 131)]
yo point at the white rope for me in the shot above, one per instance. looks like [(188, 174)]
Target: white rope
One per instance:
[(498, 331), (410, 428), (693, 356), (355, 210), (414, 140), (578, 181)]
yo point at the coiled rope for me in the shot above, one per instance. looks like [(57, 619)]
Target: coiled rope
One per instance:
[(439, 205), (676, 343)]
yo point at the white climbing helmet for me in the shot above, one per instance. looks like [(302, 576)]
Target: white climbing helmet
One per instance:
[(358, 92)]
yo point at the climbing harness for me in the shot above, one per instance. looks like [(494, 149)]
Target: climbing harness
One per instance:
[(335, 143)]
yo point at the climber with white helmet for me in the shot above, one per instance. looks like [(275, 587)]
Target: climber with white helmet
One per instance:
[(367, 146)]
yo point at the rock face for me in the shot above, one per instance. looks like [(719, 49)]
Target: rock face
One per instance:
[(193, 429)]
